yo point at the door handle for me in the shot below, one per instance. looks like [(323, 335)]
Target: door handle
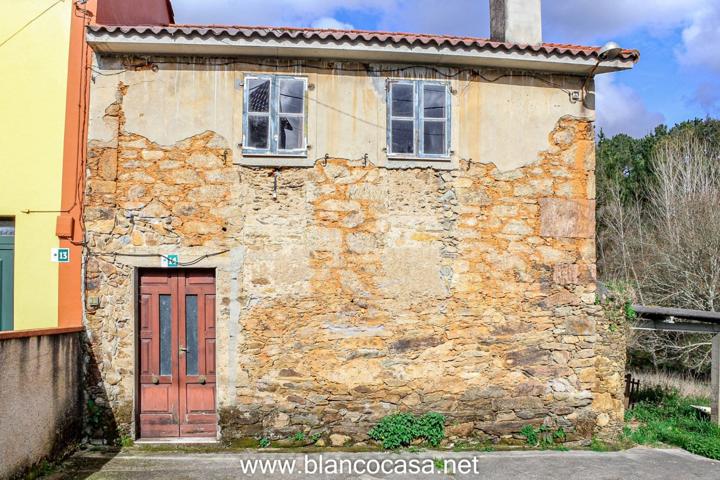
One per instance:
[(183, 349)]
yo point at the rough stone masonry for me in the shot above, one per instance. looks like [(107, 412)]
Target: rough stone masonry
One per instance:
[(349, 290)]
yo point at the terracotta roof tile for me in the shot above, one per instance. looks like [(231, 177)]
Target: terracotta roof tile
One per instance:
[(363, 36)]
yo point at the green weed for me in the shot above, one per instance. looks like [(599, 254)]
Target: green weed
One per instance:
[(126, 441), (597, 445), (543, 437), (530, 434), (400, 429)]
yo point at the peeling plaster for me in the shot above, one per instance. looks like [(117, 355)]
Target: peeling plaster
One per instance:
[(502, 120)]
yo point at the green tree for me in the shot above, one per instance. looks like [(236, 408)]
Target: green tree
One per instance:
[(658, 227)]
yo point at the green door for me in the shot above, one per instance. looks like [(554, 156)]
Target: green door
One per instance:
[(7, 258)]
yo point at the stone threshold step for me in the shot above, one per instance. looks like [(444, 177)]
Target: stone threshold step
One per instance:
[(177, 441)]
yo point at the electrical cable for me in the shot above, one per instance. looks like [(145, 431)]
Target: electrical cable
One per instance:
[(340, 67), (157, 255), (29, 22)]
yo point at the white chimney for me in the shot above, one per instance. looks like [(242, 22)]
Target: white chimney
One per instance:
[(516, 21)]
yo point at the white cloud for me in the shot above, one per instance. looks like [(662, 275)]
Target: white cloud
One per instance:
[(332, 23), (707, 95), (621, 110), (701, 39), (601, 20)]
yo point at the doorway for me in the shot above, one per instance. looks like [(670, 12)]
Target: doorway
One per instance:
[(7, 259), (176, 343)]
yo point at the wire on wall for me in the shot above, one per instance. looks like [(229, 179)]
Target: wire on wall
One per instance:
[(367, 68), (189, 263)]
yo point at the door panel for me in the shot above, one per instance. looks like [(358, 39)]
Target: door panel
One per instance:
[(210, 334), (197, 385), (7, 260), (177, 391), (158, 345)]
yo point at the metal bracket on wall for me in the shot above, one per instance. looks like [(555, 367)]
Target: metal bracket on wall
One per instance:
[(276, 174)]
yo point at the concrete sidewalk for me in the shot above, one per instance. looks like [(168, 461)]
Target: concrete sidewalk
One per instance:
[(637, 463)]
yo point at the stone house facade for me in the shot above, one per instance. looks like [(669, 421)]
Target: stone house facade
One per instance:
[(361, 266)]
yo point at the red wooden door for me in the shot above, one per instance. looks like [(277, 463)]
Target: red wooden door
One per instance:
[(177, 353)]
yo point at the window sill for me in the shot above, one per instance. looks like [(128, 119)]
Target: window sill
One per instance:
[(274, 155), (410, 158)]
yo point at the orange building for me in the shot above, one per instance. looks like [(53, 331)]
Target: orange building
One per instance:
[(69, 222)]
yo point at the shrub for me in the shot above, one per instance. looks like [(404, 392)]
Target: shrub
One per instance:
[(431, 427), (400, 429)]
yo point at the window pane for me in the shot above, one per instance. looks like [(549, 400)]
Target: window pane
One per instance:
[(402, 100), (291, 95), (291, 134), (434, 137), (434, 101), (191, 334), (258, 131), (165, 335), (7, 228), (402, 136), (258, 95)]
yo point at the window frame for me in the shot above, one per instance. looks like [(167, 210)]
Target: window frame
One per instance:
[(273, 116), (419, 121)]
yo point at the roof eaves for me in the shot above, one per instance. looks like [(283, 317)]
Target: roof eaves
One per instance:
[(355, 38)]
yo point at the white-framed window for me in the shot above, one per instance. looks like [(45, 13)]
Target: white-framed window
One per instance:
[(418, 119), (274, 115)]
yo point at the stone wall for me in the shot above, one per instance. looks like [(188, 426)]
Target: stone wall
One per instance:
[(347, 291), (40, 398)]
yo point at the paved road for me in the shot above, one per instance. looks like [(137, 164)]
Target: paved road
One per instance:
[(637, 463)]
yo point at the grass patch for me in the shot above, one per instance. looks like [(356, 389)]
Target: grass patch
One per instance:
[(473, 447), (666, 417)]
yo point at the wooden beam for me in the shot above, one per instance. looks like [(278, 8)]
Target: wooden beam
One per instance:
[(681, 313), (715, 381), (673, 326), (666, 319)]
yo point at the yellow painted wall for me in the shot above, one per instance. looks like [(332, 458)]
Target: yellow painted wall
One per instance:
[(34, 56)]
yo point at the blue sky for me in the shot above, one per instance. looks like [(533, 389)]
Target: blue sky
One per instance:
[(678, 77)]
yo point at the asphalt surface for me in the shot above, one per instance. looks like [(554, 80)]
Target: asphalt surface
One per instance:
[(636, 463)]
